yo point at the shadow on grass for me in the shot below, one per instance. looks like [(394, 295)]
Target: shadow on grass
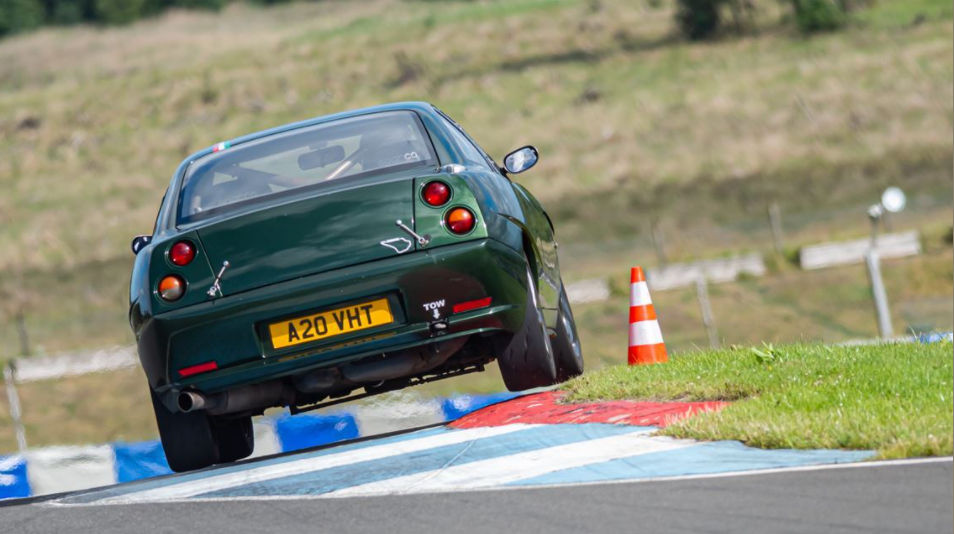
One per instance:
[(623, 43)]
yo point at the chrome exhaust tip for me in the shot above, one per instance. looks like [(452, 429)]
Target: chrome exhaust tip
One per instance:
[(190, 401)]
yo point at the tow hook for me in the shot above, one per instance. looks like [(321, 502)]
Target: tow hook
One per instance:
[(437, 327)]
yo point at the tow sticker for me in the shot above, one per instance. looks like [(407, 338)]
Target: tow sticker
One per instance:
[(435, 308)]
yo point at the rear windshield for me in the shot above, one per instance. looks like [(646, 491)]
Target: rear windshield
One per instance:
[(264, 169)]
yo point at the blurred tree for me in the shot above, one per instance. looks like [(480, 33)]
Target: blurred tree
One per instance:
[(118, 11), (699, 19), (67, 11), (213, 5), (155, 7), (24, 15), (702, 19), (20, 15), (813, 16)]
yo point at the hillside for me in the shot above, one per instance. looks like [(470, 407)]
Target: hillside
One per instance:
[(633, 124)]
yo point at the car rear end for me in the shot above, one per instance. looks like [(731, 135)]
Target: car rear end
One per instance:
[(321, 289)]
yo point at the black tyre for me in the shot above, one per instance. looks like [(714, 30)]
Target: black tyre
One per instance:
[(567, 351), (188, 439), (526, 358), (236, 439)]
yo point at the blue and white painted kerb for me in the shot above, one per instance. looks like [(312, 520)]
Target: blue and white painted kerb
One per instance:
[(444, 459), (13, 477), (70, 468)]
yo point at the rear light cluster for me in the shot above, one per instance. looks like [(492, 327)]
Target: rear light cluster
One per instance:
[(436, 193), (182, 253), (172, 287), (203, 367), (458, 220), (471, 305)]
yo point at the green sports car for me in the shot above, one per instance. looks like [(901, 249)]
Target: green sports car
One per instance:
[(336, 258)]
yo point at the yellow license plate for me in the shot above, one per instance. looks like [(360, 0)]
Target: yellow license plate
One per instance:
[(330, 323)]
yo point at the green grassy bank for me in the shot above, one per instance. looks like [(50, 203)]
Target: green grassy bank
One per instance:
[(895, 399)]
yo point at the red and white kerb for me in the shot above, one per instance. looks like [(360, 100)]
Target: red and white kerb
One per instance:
[(645, 339)]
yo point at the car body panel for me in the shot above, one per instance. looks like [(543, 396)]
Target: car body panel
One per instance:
[(339, 227), (198, 274), (429, 220), (547, 266), (231, 330)]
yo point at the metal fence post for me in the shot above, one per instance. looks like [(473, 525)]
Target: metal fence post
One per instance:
[(659, 242), (775, 222), (9, 381), (702, 292), (20, 322), (879, 294)]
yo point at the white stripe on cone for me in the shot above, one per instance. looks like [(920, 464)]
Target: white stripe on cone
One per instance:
[(639, 294), (645, 333)]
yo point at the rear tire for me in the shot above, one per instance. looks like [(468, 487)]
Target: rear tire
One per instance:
[(188, 439), (526, 358), (567, 351), (236, 439)]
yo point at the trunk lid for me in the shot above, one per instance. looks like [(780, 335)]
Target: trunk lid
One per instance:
[(309, 236)]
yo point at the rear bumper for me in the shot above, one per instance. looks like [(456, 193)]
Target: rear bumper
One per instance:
[(232, 330)]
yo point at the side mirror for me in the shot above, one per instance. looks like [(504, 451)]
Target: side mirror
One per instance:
[(521, 159), (139, 242)]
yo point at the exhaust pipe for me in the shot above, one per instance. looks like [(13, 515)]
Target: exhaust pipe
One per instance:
[(190, 401), (252, 397), (406, 363), (322, 382)]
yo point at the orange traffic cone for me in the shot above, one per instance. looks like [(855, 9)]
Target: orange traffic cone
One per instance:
[(645, 339)]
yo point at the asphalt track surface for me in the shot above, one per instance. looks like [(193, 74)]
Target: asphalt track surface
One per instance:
[(882, 497)]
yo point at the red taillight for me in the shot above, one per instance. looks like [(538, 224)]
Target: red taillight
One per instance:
[(436, 193), (171, 288), (460, 220), (471, 305), (182, 253), (204, 367)]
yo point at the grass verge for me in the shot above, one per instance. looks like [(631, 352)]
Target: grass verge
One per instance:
[(895, 399)]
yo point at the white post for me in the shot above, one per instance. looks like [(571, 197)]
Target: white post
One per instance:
[(702, 292), (9, 381), (659, 242), (775, 223), (879, 294)]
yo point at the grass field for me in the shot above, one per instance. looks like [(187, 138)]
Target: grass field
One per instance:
[(895, 399), (95, 121), (634, 125)]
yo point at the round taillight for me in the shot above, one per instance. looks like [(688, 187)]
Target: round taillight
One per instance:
[(171, 288), (460, 220), (182, 253), (437, 193)]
